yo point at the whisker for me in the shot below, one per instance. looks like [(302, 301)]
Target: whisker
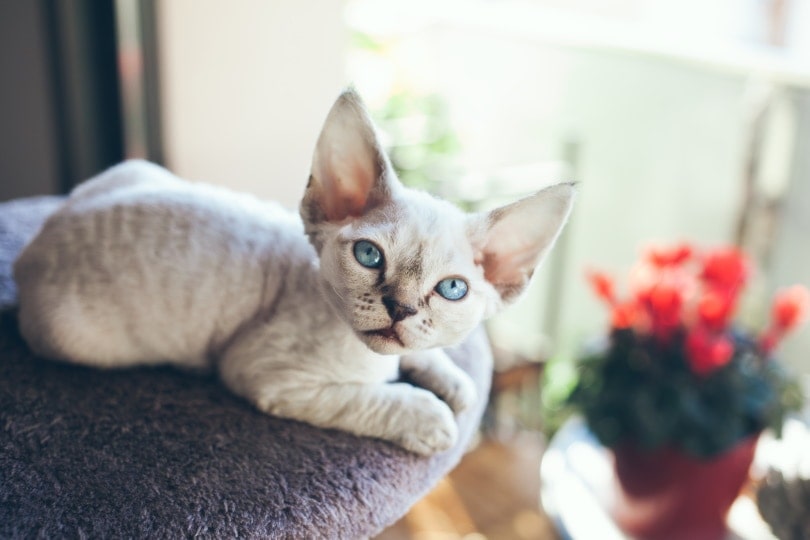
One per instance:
[(337, 292)]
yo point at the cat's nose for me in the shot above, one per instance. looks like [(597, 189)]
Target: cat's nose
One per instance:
[(396, 310)]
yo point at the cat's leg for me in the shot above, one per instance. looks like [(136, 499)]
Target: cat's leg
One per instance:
[(434, 370), (411, 417)]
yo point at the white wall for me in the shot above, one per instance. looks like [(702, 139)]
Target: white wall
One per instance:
[(245, 86), (661, 153), (791, 257)]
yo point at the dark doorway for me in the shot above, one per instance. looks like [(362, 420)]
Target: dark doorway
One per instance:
[(63, 116)]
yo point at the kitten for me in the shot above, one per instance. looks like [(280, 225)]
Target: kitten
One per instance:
[(139, 267)]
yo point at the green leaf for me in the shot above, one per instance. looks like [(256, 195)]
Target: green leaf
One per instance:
[(637, 390)]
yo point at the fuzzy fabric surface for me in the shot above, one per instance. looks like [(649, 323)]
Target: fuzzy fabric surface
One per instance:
[(160, 453)]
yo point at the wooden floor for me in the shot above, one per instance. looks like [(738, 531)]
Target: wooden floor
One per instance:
[(493, 494)]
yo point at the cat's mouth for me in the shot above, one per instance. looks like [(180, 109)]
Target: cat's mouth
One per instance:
[(388, 334)]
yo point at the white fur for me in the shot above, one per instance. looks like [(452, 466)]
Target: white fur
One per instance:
[(140, 267)]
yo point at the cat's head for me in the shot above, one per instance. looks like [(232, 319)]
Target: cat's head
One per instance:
[(405, 270)]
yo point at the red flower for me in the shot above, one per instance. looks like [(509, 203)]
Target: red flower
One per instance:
[(642, 279), (664, 304), (672, 256), (715, 309), (602, 285), (665, 301), (788, 311), (625, 315), (706, 351), (670, 296), (790, 307), (725, 269)]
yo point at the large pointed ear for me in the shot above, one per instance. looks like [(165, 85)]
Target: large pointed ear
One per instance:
[(350, 174), (518, 236)]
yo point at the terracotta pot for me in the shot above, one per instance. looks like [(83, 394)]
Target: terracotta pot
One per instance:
[(667, 495)]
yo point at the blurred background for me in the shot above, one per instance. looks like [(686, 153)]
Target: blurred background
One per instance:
[(682, 120)]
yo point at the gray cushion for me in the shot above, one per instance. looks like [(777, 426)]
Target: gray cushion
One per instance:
[(160, 453)]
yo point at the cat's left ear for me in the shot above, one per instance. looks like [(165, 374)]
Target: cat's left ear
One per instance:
[(517, 237), (350, 174)]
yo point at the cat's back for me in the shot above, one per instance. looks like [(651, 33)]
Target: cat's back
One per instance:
[(162, 268), (136, 192)]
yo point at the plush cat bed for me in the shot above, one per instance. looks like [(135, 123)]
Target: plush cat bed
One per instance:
[(162, 454)]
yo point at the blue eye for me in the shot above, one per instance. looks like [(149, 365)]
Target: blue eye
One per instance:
[(368, 254), (452, 288)]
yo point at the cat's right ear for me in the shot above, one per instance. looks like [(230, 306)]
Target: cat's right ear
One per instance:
[(350, 174)]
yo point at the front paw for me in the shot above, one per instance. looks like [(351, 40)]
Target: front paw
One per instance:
[(459, 392), (428, 426), (434, 371)]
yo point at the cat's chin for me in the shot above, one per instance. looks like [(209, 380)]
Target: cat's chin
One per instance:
[(384, 341)]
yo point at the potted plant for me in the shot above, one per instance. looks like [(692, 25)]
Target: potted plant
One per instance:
[(679, 394)]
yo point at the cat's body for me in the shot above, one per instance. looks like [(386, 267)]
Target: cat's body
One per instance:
[(141, 267), (207, 257)]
